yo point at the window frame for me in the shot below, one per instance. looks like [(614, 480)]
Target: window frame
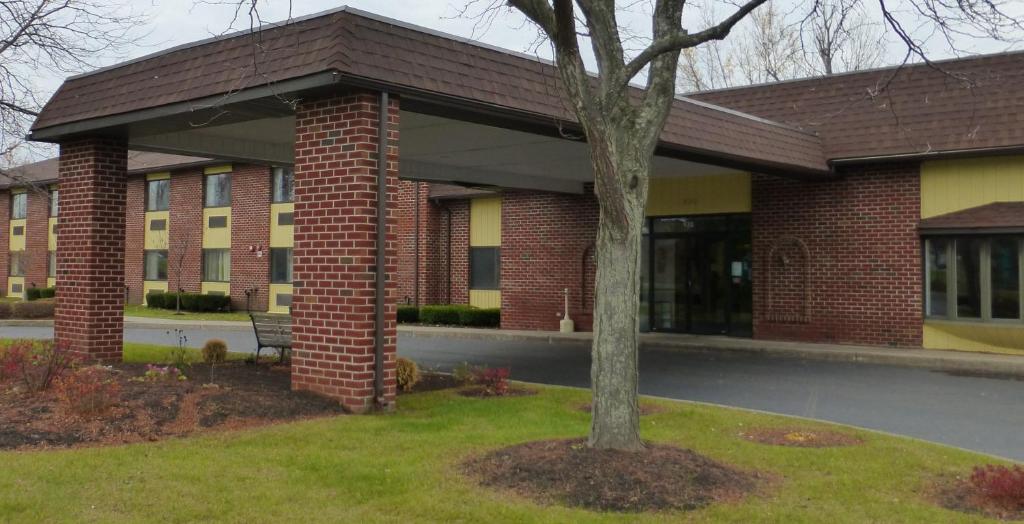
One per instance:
[(145, 265), (206, 186), (985, 255), (149, 201), (497, 268), (291, 258), (24, 207), (274, 171), (206, 252), (21, 264)]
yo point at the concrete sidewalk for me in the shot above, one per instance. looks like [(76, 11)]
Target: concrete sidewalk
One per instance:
[(146, 322), (954, 361)]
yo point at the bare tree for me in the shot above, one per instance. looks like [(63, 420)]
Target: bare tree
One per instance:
[(40, 37), (842, 38)]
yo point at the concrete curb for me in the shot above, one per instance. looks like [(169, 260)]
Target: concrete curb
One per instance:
[(147, 323), (953, 361)]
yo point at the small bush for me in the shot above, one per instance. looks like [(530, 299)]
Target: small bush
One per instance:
[(407, 373), (35, 309), (441, 315), (36, 293), (494, 381), (157, 299), (35, 364), (480, 317), (6, 310), (1000, 485), (192, 302), (88, 392), (408, 314), (163, 374), (215, 351), (464, 374)]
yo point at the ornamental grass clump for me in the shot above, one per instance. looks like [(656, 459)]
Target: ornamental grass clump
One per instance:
[(215, 351), (407, 374)]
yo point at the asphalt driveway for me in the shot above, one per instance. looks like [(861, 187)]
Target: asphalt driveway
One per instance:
[(981, 413)]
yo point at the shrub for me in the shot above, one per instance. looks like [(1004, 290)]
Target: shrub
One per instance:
[(36, 293), (406, 373), (494, 381), (442, 315), (192, 302), (408, 314), (464, 374), (480, 317), (6, 310), (156, 300), (35, 364), (215, 351), (163, 374), (90, 391), (34, 309), (1000, 485)]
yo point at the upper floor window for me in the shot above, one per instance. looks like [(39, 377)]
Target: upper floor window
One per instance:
[(485, 268), (972, 277), (281, 265), (54, 202), (284, 184), (218, 190), (158, 195), (19, 205)]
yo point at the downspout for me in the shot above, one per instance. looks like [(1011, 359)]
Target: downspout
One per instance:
[(416, 249), (382, 224)]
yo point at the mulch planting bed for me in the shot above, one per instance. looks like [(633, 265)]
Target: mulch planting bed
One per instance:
[(568, 472), (800, 437), (244, 396), (958, 494)]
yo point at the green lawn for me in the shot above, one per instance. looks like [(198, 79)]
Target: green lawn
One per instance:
[(143, 311), (403, 467)]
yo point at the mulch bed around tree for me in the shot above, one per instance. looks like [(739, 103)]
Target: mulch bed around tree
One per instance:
[(958, 494), (567, 472), (800, 437), (244, 396), (645, 408)]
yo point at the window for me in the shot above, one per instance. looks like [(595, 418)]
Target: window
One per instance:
[(217, 222), (485, 268), (281, 265), (51, 266), (19, 205), (218, 190), (17, 265), (158, 195), (284, 184), (286, 219), (974, 277), (216, 265), (18, 231), (155, 267), (54, 202)]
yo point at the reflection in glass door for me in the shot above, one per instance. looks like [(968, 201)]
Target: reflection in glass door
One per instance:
[(709, 287), (669, 284)]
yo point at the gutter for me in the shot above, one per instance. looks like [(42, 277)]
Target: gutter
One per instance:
[(382, 224)]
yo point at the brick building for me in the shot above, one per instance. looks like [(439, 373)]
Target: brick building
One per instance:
[(432, 169)]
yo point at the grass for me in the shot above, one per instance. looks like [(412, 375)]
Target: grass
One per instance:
[(143, 311), (404, 467)]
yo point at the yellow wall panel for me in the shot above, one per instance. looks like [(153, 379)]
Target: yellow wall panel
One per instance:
[(220, 237), (216, 170), (485, 298), (18, 242), (697, 195), (157, 239), (953, 185), (281, 236), (159, 176), (11, 282), (216, 287), (278, 289), (51, 282), (485, 222), (968, 336), (149, 285), (51, 234)]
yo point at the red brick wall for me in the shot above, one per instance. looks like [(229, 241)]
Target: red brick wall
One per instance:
[(90, 246), (5, 232), (453, 253), (428, 229), (335, 246), (135, 238), (36, 237), (546, 247), (250, 226), (185, 239), (839, 261)]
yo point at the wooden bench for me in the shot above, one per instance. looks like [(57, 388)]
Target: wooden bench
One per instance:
[(272, 331)]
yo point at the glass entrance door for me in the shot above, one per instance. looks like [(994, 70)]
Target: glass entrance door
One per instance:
[(709, 286)]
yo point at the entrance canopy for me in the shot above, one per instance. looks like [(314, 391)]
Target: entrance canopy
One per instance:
[(471, 114)]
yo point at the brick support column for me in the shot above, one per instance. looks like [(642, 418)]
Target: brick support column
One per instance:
[(185, 242), (418, 228), (250, 226), (5, 238), (335, 247), (36, 236), (135, 238), (90, 248)]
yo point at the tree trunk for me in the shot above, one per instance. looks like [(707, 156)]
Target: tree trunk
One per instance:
[(621, 185)]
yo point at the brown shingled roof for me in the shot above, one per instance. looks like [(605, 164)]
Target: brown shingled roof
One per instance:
[(365, 47), (923, 110), (990, 217), (45, 171)]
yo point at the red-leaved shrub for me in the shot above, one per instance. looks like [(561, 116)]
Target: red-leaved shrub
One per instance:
[(88, 391), (494, 381), (1000, 485), (35, 364)]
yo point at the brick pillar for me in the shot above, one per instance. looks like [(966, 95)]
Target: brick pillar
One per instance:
[(36, 237), (250, 226), (135, 238), (418, 227), (335, 246), (90, 248), (5, 237), (185, 242)]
